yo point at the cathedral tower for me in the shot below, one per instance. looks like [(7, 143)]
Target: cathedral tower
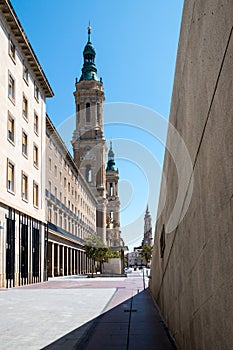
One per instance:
[(89, 145), (113, 206), (147, 240)]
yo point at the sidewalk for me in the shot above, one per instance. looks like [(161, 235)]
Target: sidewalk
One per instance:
[(133, 325), (82, 313)]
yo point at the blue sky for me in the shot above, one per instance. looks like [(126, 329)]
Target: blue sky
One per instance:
[(136, 45)]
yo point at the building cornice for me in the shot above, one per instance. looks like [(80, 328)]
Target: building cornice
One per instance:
[(23, 42)]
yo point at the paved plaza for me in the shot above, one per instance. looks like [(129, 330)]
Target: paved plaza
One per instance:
[(75, 313)]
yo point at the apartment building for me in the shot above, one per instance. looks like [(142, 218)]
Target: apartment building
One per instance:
[(70, 209), (23, 92)]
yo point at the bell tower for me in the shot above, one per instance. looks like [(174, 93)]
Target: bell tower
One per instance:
[(148, 238), (113, 206), (89, 144)]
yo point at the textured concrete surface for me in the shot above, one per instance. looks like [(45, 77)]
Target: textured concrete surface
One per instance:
[(34, 318), (82, 313), (193, 282)]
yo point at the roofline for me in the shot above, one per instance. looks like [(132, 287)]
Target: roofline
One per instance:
[(51, 128), (21, 37)]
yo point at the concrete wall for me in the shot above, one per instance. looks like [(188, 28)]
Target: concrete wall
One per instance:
[(193, 281), (113, 266)]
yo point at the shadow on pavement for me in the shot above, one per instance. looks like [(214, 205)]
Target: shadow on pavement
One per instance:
[(132, 325)]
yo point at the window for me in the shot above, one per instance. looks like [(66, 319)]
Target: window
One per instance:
[(50, 186), (78, 113), (36, 92), (10, 176), (25, 107), (98, 113), (50, 164), (24, 144), (36, 123), (25, 73), (11, 87), (35, 194), (88, 113), (24, 187), (12, 49), (49, 213), (88, 173), (65, 182), (11, 128), (69, 186), (35, 155), (55, 170), (111, 189), (55, 191)]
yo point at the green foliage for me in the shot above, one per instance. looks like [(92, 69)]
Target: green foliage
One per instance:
[(146, 253), (113, 254), (95, 249)]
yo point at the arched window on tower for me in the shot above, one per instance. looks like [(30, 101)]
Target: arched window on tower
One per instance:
[(89, 173), (88, 113), (78, 112), (111, 189), (98, 113)]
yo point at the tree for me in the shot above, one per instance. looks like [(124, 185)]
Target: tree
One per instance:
[(97, 251), (146, 253)]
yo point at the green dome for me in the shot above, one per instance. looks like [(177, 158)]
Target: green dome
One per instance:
[(89, 70), (89, 49), (111, 161)]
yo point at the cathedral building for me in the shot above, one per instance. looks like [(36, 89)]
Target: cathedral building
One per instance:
[(90, 147)]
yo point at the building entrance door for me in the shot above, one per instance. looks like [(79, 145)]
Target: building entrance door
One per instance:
[(35, 254), (10, 253)]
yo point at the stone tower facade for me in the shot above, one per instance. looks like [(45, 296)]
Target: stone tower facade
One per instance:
[(89, 144), (147, 239), (113, 206)]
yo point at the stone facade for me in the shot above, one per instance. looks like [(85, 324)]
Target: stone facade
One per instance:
[(90, 147), (70, 209), (191, 276), (89, 144), (50, 203), (114, 239), (24, 89)]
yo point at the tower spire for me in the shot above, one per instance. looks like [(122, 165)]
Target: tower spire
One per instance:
[(89, 32), (89, 70)]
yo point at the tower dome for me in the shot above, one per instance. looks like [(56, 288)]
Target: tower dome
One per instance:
[(89, 70), (111, 161)]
